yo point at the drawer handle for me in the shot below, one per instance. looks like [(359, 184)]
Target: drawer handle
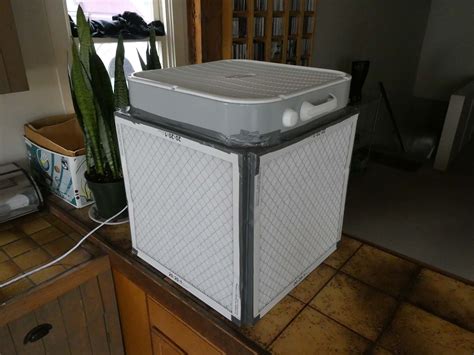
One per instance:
[(37, 333)]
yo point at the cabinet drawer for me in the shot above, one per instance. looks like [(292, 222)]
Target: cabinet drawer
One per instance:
[(171, 333)]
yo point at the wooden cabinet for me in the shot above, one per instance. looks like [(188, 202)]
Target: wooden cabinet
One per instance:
[(150, 328), (74, 313), (162, 345), (12, 70), (175, 333), (133, 311)]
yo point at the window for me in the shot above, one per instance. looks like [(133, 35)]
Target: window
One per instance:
[(173, 48), (105, 47)]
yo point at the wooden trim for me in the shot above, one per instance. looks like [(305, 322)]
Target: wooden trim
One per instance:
[(286, 20), (299, 32), (312, 37), (268, 30), (250, 28), (227, 16), (203, 319), (14, 68), (52, 289), (194, 32)]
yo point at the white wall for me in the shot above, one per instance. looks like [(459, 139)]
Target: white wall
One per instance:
[(447, 56), (389, 33), (44, 97)]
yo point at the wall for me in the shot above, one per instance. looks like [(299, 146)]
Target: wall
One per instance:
[(388, 33), (44, 97), (447, 55)]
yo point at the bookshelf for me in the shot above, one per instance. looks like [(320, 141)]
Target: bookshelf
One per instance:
[(271, 30)]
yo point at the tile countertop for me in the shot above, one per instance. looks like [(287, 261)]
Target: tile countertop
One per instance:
[(361, 299), (31, 241)]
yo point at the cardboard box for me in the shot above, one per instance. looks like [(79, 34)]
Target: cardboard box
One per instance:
[(57, 158)]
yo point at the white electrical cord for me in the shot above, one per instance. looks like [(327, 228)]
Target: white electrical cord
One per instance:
[(42, 267)]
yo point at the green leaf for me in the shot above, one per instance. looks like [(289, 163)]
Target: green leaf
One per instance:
[(104, 101), (154, 62), (142, 63), (89, 158), (108, 145), (85, 38), (101, 87), (148, 57), (120, 83), (86, 109)]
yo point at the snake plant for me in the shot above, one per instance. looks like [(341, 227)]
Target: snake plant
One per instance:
[(152, 58), (95, 102)]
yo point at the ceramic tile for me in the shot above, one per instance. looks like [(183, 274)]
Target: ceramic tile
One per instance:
[(8, 269), (380, 269), (75, 236), (15, 289), (311, 285), (445, 297), (47, 235), (50, 218), (30, 226), (314, 333), (5, 225), (47, 274), (414, 331), (3, 257), (378, 350), (344, 251), (9, 236), (361, 308), (77, 257), (274, 321), (63, 226), (19, 247), (31, 259), (59, 246)]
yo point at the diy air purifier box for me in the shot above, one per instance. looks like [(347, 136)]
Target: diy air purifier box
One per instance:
[(57, 158)]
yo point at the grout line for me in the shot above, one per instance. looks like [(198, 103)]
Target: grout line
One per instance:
[(372, 342), (405, 291), (397, 297), (307, 304), (402, 297)]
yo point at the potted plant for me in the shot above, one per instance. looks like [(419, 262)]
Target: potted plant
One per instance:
[(95, 103), (151, 54)]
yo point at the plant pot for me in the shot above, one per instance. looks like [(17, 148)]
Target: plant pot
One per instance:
[(109, 197)]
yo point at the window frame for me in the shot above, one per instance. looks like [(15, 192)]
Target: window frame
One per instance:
[(174, 44)]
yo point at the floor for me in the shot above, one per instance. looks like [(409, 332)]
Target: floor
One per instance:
[(364, 300), (33, 240), (426, 215)]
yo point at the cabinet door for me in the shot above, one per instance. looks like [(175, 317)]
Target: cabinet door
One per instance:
[(162, 345), (133, 315), (177, 332)]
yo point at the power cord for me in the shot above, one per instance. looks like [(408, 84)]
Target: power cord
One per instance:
[(52, 262)]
